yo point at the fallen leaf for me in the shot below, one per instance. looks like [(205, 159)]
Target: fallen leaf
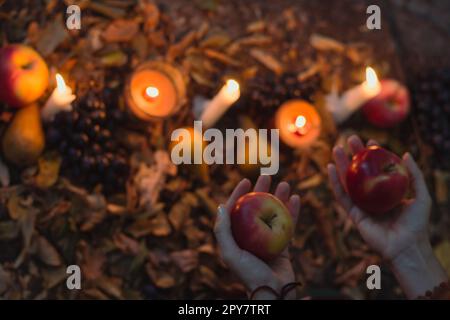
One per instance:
[(310, 182), (178, 48), (106, 9), (267, 60), (9, 230), (19, 206), (126, 244), (4, 174), (186, 260), (47, 253), (151, 13), (114, 59), (110, 286), (324, 43), (54, 33), (49, 165), (121, 30), (442, 252), (91, 261), (52, 277), (221, 57), (157, 226), (161, 279)]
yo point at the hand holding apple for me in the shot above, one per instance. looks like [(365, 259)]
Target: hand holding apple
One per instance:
[(253, 271), (392, 234), (402, 239), (23, 75)]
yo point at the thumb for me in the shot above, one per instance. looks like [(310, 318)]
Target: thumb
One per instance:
[(222, 230)]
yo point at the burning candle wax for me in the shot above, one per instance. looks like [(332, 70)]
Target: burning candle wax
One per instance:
[(155, 90), (342, 107), (215, 108), (298, 122), (60, 100)]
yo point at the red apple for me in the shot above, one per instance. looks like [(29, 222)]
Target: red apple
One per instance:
[(262, 225), (390, 107), (23, 75), (377, 180)]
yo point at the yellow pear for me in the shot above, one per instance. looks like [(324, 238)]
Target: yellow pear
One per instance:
[(23, 141)]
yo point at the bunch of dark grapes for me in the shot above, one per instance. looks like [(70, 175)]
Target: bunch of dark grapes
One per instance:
[(271, 92), (431, 97), (85, 139)]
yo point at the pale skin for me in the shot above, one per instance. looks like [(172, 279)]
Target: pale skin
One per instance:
[(252, 271), (401, 240)]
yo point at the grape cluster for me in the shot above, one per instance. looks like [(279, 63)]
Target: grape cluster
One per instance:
[(431, 98), (84, 138), (271, 92)]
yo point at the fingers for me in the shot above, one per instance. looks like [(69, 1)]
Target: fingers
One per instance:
[(342, 163), (419, 184), (242, 188), (294, 207), (282, 191), (222, 230), (338, 190), (262, 184), (355, 144)]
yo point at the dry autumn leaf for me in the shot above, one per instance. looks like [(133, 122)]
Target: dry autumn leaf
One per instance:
[(48, 173), (121, 30)]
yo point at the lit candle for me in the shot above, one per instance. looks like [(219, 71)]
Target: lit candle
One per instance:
[(215, 108), (342, 107), (155, 90), (60, 100), (298, 122)]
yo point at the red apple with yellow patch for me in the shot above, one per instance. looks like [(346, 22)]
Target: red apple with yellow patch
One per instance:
[(377, 181), (262, 225), (23, 75)]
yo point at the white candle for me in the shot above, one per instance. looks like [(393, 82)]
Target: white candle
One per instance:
[(60, 100), (342, 107), (215, 108)]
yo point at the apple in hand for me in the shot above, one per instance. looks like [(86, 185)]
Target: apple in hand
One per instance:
[(377, 181), (390, 107), (261, 224), (23, 75)]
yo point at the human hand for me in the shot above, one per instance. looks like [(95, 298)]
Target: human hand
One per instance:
[(251, 270), (402, 238)]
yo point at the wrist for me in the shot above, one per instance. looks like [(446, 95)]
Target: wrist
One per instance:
[(417, 269), (417, 250)]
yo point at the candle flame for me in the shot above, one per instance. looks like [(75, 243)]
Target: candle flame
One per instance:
[(371, 78), (232, 86), (60, 84), (152, 92), (300, 122)]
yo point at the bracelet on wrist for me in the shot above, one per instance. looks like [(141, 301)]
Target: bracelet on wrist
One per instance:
[(440, 292), (279, 296)]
